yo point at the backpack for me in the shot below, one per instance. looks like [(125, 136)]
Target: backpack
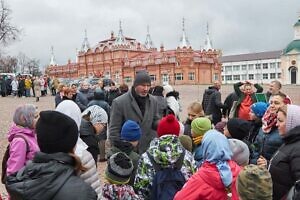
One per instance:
[(6, 156), (166, 181)]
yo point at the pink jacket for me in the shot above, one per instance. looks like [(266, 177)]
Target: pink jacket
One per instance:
[(206, 184), (17, 149)]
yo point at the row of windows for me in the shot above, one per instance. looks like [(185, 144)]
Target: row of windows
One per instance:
[(272, 65), (263, 76)]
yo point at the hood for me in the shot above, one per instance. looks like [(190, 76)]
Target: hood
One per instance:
[(210, 90), (166, 150), (86, 128), (43, 177), (123, 146), (18, 130), (292, 136), (210, 174), (99, 94)]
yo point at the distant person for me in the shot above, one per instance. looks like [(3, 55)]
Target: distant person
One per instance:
[(113, 93), (194, 111), (52, 174), (37, 88), (161, 101), (15, 86), (172, 98), (213, 107), (123, 88), (136, 105), (246, 98), (274, 88), (84, 96), (60, 94)]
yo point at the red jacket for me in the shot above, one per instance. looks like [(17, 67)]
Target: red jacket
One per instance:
[(206, 184)]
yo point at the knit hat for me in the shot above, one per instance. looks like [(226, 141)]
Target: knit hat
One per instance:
[(238, 128), (293, 117), (259, 108), (240, 152), (220, 126), (200, 126), (168, 125), (168, 89), (186, 142), (56, 132), (255, 182), (98, 114), (141, 77), (119, 168), (131, 131)]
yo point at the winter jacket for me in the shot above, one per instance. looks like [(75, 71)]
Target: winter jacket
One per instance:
[(229, 102), (83, 98), (87, 134), (206, 184), (125, 107), (99, 100), (266, 144), (285, 164), (17, 148), (119, 192), (14, 85), (206, 97), (91, 176), (214, 106), (242, 95), (126, 147), (162, 105), (112, 94), (188, 128), (165, 150), (28, 84), (173, 104), (49, 177)]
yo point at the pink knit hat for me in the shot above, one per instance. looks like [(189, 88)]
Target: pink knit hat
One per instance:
[(293, 117)]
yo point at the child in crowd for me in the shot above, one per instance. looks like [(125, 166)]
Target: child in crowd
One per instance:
[(220, 126), (165, 152), (199, 127), (117, 173), (216, 178), (237, 128), (130, 135), (195, 110), (186, 142), (254, 182), (240, 152)]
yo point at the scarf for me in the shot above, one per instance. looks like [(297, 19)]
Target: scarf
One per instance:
[(197, 140), (269, 121)]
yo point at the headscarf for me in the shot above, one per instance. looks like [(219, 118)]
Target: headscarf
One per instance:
[(216, 150), (72, 110), (269, 121)]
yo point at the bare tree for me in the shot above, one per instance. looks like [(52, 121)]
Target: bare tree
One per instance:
[(8, 32), (22, 62)]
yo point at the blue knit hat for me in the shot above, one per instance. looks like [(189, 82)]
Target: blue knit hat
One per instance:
[(259, 108), (131, 131)]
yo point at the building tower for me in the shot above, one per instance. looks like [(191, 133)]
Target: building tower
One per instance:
[(184, 42), (85, 44), (52, 58), (207, 43), (148, 43), (120, 40)]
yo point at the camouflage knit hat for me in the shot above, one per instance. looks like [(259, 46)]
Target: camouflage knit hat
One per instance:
[(255, 182)]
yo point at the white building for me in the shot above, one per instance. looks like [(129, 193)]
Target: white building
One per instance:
[(256, 67)]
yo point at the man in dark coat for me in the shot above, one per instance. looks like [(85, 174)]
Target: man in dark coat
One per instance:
[(215, 104), (136, 105)]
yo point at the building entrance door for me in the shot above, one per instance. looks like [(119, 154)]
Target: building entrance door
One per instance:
[(165, 79), (293, 73)]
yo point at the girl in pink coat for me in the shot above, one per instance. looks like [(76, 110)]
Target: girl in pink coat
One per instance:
[(23, 128)]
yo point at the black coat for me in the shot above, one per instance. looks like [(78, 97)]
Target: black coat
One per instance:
[(285, 164), (214, 106), (49, 176)]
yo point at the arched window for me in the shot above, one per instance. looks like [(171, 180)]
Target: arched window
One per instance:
[(293, 74)]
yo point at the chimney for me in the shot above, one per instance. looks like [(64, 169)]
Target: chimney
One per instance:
[(112, 35)]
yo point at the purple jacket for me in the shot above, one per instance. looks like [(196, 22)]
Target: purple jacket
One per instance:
[(17, 149)]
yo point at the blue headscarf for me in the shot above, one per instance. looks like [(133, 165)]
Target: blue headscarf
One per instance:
[(216, 150)]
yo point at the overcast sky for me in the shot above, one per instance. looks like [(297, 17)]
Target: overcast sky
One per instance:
[(236, 26)]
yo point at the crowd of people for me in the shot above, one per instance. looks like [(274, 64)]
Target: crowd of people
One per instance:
[(243, 148)]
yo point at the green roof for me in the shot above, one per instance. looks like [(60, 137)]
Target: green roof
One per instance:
[(297, 23), (295, 44)]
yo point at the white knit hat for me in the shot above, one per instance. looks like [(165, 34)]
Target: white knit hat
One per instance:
[(293, 117)]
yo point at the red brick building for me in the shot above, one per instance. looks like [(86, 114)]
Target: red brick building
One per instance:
[(120, 57)]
